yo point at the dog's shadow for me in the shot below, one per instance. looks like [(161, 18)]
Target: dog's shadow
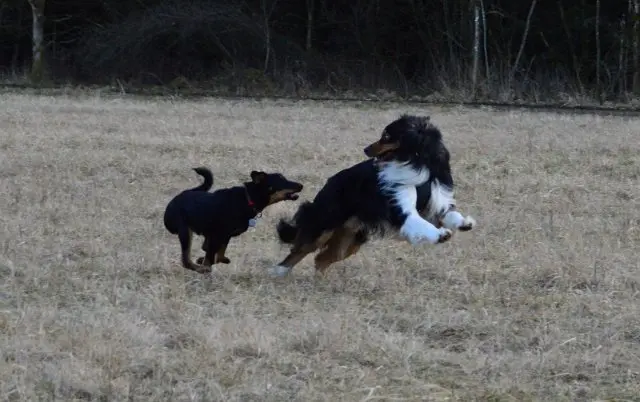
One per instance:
[(221, 278), (255, 280)]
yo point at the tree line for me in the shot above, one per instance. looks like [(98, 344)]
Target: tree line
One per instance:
[(536, 50)]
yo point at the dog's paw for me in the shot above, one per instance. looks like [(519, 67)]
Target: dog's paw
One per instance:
[(223, 260), (203, 262), (202, 269), (445, 235), (467, 225), (320, 275), (279, 271)]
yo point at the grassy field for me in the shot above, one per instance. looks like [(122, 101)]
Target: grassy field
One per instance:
[(540, 302)]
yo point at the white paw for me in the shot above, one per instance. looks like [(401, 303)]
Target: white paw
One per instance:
[(417, 231), (445, 234), (467, 224), (279, 271)]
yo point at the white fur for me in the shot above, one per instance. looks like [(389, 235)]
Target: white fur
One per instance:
[(441, 200), (279, 271), (453, 220), (415, 229), (401, 180), (401, 173)]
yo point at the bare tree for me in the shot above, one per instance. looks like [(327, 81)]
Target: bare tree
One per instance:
[(484, 44), (522, 43), (598, 91), (634, 5), (574, 58), (267, 12), (622, 60), (310, 9), (449, 32), (476, 46), (37, 40)]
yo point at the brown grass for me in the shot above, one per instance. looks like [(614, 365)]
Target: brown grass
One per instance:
[(540, 302)]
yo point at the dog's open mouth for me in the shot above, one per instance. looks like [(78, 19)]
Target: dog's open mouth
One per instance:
[(292, 196), (385, 156)]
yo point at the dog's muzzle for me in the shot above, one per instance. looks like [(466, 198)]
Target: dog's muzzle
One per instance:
[(293, 195), (379, 150)]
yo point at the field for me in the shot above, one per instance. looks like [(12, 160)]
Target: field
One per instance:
[(540, 302)]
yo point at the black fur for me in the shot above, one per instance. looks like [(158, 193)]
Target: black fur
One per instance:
[(223, 214), (208, 179), (417, 142)]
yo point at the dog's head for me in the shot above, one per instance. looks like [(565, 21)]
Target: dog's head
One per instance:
[(276, 186), (410, 139)]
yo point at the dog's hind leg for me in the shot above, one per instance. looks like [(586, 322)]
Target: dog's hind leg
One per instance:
[(219, 256), (298, 253), (343, 244), (186, 236), (205, 247), (215, 250)]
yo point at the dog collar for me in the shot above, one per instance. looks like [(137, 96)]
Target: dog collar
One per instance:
[(250, 203)]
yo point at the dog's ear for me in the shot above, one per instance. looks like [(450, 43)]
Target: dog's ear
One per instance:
[(441, 154), (257, 177)]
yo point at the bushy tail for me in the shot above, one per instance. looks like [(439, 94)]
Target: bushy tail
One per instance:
[(305, 226), (287, 232), (208, 179)]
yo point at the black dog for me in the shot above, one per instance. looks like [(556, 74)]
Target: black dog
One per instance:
[(223, 214), (406, 189)]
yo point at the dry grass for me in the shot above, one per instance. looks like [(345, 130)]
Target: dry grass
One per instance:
[(540, 302)]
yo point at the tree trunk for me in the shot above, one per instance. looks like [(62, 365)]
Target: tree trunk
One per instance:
[(310, 9), (484, 45), (622, 62), (267, 11), (522, 43), (37, 62), (449, 32), (574, 57), (476, 47), (635, 4), (598, 90)]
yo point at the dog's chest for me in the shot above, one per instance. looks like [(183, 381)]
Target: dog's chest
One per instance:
[(240, 229)]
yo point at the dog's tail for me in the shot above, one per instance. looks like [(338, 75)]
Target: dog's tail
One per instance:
[(208, 179), (305, 226), (287, 231)]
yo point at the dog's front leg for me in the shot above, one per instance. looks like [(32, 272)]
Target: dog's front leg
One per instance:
[(417, 231), (454, 220), (414, 228), (442, 207)]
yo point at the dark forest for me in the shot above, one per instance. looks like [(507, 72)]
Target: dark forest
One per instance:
[(535, 50)]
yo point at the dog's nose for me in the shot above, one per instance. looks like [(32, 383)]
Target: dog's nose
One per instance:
[(367, 150)]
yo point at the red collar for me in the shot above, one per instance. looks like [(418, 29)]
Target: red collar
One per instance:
[(250, 203)]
